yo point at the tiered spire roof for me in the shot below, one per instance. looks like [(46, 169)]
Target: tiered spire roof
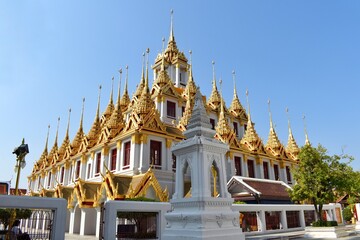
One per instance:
[(75, 144), (66, 142), (95, 130), (110, 107), (125, 100), (190, 88), (54, 148), (273, 144), (215, 98), (292, 148), (236, 109)]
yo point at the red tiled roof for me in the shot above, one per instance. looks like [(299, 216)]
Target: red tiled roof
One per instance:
[(269, 190)]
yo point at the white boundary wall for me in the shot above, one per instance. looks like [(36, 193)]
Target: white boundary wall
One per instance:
[(58, 205), (260, 210), (112, 207)]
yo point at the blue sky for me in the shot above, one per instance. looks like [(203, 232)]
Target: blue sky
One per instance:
[(303, 55)]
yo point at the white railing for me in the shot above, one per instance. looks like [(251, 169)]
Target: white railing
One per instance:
[(58, 207)]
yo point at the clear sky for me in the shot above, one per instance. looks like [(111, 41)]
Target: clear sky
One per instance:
[(304, 55)]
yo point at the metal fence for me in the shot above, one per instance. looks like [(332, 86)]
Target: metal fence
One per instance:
[(39, 225)]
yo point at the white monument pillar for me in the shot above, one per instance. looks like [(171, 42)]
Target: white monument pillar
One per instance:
[(207, 213)]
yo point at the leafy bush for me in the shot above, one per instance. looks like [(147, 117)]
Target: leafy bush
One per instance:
[(347, 213), (324, 224), (141, 199), (239, 202)]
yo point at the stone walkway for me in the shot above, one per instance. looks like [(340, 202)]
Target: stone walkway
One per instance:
[(78, 237)]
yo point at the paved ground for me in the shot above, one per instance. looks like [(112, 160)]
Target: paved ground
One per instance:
[(275, 236)]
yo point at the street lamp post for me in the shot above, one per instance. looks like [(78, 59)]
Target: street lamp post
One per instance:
[(20, 152)]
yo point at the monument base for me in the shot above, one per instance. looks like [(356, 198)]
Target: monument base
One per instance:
[(205, 218)]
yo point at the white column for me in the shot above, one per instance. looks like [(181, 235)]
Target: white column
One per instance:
[(283, 220), (261, 221), (98, 219), (177, 75), (302, 218), (72, 221), (82, 221)]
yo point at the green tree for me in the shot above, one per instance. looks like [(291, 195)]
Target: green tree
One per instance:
[(320, 178)]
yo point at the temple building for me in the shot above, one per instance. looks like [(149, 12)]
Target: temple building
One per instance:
[(126, 153)]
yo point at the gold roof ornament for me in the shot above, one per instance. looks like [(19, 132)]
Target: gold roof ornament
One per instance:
[(190, 88), (110, 107), (163, 84), (144, 115), (184, 120), (140, 87), (223, 131), (236, 109), (116, 123), (307, 141), (171, 53), (215, 98), (125, 99), (43, 161), (52, 155), (75, 144), (66, 142), (292, 148), (251, 140), (91, 139), (273, 144), (86, 193)]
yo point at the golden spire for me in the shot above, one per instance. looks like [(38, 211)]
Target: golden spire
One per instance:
[(110, 107), (171, 37), (236, 109), (273, 143), (215, 99), (80, 133), (188, 110), (55, 146), (66, 140), (116, 123), (163, 45), (47, 140), (44, 155), (145, 103), (141, 85), (292, 148), (125, 100), (251, 139), (190, 89), (96, 128), (307, 142), (222, 128)]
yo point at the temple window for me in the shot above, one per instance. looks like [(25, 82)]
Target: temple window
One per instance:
[(155, 154), (251, 169), (215, 183), (113, 159), (49, 180), (62, 171), (266, 170), (276, 172), (98, 164), (39, 181), (288, 174), (70, 174), (236, 129), (212, 122), (171, 109), (237, 161), (77, 172), (88, 171), (127, 149), (173, 162)]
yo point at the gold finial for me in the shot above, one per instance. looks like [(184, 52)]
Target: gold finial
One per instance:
[(248, 105), (233, 73), (143, 67), (163, 45), (190, 52), (68, 125), (270, 116), (213, 66), (112, 89), (120, 71), (307, 142), (98, 106), (57, 131), (288, 117), (147, 68), (82, 115), (171, 38), (47, 138)]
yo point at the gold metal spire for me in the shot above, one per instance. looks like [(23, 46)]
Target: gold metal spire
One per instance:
[(292, 148), (95, 130), (43, 158), (190, 88), (214, 99), (273, 144), (75, 144), (236, 109), (307, 142), (110, 107), (141, 85), (47, 139), (66, 141), (125, 100), (163, 45), (188, 110), (171, 37), (251, 139), (55, 146)]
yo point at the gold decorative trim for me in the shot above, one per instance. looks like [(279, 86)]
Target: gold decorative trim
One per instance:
[(168, 143), (118, 144)]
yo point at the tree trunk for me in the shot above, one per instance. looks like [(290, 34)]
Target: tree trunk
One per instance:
[(318, 211)]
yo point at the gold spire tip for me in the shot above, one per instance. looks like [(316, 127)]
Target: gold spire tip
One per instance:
[(127, 67)]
